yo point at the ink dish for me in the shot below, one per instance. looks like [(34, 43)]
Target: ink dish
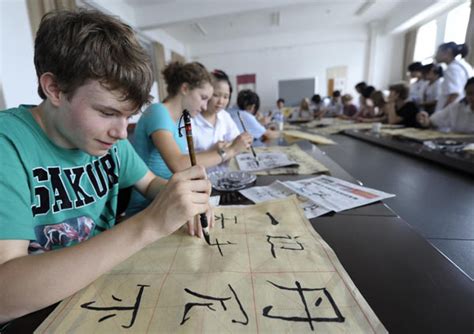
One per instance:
[(231, 180)]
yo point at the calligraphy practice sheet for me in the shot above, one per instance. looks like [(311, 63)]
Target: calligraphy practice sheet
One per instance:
[(317, 139), (336, 194), (421, 134), (278, 190), (266, 160), (266, 271)]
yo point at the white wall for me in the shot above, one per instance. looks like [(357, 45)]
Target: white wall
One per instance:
[(17, 71), (386, 61), (127, 14), (288, 56), (169, 43)]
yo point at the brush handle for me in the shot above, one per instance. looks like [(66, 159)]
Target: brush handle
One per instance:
[(192, 157), (245, 130)]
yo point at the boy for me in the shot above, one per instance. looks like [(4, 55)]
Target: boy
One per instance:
[(248, 103), (64, 161)]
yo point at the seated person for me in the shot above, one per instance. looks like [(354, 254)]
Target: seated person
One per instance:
[(418, 84), (280, 104), (335, 107), (64, 161), (359, 87), (214, 127), (456, 117), (433, 74), (303, 112), (365, 108), (399, 109), (376, 106), (156, 137), (248, 103), (317, 106), (349, 109), (277, 116)]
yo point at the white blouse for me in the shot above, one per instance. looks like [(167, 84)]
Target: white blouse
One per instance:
[(205, 135)]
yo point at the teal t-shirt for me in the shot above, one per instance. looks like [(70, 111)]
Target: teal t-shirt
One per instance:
[(57, 197), (156, 117)]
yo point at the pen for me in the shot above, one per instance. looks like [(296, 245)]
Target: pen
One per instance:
[(192, 157), (251, 147)]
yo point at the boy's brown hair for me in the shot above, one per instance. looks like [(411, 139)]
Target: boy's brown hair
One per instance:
[(77, 46)]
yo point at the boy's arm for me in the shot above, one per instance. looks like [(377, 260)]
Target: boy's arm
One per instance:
[(31, 282)]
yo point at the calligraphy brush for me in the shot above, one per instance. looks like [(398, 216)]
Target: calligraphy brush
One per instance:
[(192, 157), (251, 147)]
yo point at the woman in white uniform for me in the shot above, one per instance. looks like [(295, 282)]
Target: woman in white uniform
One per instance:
[(456, 74)]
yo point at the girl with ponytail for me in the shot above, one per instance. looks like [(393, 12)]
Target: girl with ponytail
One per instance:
[(456, 74)]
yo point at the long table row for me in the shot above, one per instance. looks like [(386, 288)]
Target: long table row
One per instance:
[(410, 285)]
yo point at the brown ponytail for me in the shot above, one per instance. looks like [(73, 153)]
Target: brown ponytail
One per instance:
[(177, 73)]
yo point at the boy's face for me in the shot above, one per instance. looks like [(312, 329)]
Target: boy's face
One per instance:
[(92, 120)]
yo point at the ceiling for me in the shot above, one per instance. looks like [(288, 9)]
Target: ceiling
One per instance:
[(194, 21)]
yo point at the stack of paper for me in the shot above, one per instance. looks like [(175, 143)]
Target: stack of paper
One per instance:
[(318, 195)]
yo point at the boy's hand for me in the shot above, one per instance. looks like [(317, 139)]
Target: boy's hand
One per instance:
[(194, 225), (185, 196)]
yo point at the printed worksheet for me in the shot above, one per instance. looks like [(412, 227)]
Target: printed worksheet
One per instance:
[(278, 190), (264, 161), (336, 194)]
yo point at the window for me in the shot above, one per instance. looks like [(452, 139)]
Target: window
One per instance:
[(425, 46), (456, 24)]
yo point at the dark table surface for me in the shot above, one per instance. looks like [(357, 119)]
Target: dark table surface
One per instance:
[(434, 199), (458, 160), (411, 286)]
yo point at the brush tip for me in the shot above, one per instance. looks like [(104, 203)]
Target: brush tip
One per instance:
[(207, 237)]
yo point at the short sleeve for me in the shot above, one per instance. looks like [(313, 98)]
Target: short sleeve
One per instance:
[(441, 118), (232, 129), (454, 80), (253, 125), (132, 167), (156, 117), (16, 218)]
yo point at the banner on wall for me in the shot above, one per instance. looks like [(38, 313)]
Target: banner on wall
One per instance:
[(246, 81)]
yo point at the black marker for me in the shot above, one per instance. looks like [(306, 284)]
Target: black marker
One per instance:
[(251, 147), (192, 157)]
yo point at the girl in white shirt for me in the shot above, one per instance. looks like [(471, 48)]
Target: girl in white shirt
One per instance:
[(456, 74), (433, 74), (214, 128)]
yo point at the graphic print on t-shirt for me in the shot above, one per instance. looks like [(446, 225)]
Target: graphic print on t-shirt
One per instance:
[(72, 230)]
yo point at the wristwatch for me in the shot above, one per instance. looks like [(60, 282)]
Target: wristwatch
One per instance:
[(222, 153)]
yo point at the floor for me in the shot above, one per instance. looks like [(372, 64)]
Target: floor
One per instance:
[(438, 202)]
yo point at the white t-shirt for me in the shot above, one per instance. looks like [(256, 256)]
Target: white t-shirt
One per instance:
[(205, 135), (433, 91), (416, 90), (455, 78), (457, 117)]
